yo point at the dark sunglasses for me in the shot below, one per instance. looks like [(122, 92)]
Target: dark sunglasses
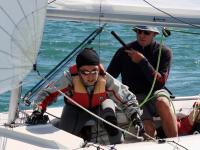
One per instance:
[(143, 31), (85, 72)]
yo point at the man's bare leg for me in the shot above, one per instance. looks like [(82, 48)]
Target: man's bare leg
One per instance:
[(167, 116)]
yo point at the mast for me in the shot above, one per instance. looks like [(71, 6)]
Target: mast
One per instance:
[(15, 94)]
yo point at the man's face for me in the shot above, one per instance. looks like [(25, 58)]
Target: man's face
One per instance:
[(144, 37), (89, 74)]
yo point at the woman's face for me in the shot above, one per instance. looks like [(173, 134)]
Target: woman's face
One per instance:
[(89, 74)]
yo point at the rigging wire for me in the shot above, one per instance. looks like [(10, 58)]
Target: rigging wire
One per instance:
[(49, 2), (186, 32), (180, 20), (98, 122), (88, 40)]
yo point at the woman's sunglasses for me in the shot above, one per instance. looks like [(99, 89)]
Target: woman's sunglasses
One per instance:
[(143, 31), (85, 72)]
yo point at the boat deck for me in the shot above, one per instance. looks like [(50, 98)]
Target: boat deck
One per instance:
[(49, 137)]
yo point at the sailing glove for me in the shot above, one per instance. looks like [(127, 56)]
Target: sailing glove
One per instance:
[(37, 117), (137, 122)]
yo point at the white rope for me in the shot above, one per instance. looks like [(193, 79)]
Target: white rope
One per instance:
[(96, 116)]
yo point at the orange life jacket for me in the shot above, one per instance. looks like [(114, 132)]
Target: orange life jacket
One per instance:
[(80, 94)]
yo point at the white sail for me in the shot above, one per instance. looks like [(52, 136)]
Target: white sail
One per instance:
[(21, 30), (128, 11)]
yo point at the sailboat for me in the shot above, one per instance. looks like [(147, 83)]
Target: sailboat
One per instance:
[(21, 35)]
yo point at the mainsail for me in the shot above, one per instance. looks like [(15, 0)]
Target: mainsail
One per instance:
[(21, 30)]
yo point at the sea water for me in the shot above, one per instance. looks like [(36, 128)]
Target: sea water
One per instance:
[(61, 37)]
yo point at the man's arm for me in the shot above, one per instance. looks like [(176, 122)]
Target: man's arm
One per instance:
[(163, 72), (149, 70)]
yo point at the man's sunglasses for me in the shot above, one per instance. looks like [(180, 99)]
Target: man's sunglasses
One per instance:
[(85, 72), (143, 31)]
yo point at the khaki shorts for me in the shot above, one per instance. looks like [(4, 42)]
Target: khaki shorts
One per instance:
[(149, 109)]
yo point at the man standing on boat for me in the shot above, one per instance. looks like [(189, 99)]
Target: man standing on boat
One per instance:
[(90, 86), (137, 66)]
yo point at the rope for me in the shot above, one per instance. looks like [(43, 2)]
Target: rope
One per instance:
[(196, 109), (177, 144), (155, 76), (148, 98), (96, 116)]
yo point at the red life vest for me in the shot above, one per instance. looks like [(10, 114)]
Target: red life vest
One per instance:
[(80, 94)]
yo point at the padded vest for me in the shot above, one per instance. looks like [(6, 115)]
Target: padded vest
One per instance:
[(80, 94)]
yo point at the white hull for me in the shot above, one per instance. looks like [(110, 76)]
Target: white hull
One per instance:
[(189, 142), (39, 137)]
